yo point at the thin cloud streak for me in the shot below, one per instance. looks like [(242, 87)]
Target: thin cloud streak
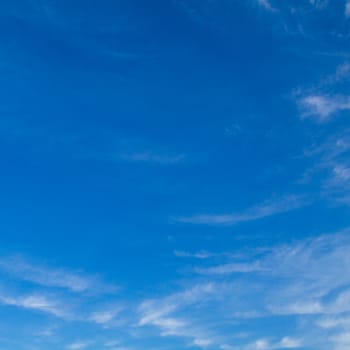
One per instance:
[(104, 317), (284, 343), (151, 157), (197, 255), (266, 209), (159, 313), (79, 345), (19, 268), (227, 269), (266, 5), (331, 160), (37, 303)]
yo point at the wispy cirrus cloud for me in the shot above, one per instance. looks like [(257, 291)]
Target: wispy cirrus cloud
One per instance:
[(319, 3), (347, 8), (266, 5), (151, 157), (162, 313), (331, 164), (267, 344), (325, 100), (284, 343), (230, 268), (155, 308), (36, 302), (129, 150), (298, 280), (341, 74), (196, 255), (79, 345), (323, 107), (104, 317), (301, 280), (263, 210), (308, 270), (21, 269), (107, 146)]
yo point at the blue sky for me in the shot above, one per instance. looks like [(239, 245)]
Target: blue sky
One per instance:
[(175, 174)]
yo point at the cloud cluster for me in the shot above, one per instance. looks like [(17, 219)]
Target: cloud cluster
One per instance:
[(299, 280)]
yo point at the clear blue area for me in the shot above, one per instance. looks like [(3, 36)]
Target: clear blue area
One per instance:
[(174, 174)]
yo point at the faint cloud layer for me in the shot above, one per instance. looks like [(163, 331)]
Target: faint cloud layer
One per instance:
[(347, 9), (323, 107), (159, 313), (266, 209), (300, 280), (37, 303), (104, 317), (266, 4), (297, 280), (151, 157), (331, 165), (101, 145), (79, 345), (230, 268), (59, 278)]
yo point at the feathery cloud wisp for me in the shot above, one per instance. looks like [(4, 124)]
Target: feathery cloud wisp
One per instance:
[(51, 277), (322, 107), (104, 317), (37, 303), (347, 9), (266, 5), (79, 345), (266, 209), (151, 157), (160, 313), (196, 255), (230, 268)]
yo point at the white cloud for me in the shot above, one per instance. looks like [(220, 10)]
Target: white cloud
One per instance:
[(331, 167), (309, 271), (230, 268), (342, 73), (50, 277), (262, 344), (323, 107), (79, 345), (37, 303), (307, 280), (161, 312), (266, 209), (104, 317), (290, 343), (197, 255), (320, 4), (312, 268), (341, 173), (266, 5), (172, 326), (284, 343), (202, 342), (152, 157), (341, 341), (330, 322), (347, 8), (152, 310), (112, 343)]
